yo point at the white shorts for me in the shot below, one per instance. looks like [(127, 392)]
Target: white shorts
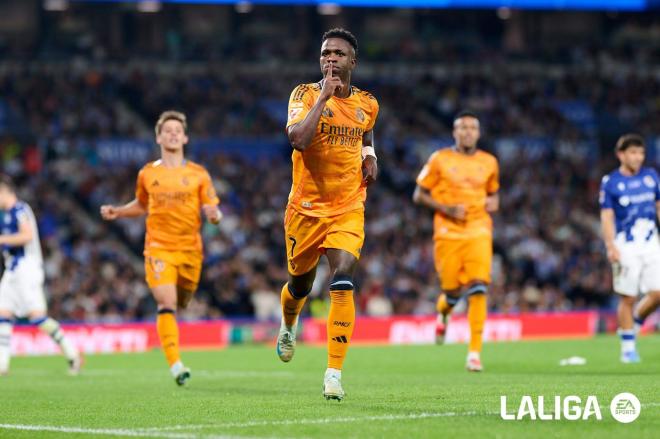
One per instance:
[(637, 271), (22, 290)]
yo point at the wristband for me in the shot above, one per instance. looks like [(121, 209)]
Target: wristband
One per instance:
[(368, 151)]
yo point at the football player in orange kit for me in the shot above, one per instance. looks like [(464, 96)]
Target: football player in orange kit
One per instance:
[(330, 126), (171, 192), (460, 185)]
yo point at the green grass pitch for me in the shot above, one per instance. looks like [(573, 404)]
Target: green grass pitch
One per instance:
[(392, 391)]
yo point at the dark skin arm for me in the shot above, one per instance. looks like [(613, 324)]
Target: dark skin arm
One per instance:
[(369, 165), (302, 133)]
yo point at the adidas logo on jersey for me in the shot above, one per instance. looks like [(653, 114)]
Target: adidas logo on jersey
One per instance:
[(155, 183), (340, 339)]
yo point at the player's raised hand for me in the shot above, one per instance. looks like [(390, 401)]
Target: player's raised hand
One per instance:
[(369, 170), (330, 85), (212, 213), (109, 212), (457, 212)]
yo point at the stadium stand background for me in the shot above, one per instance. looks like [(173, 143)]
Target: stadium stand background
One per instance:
[(80, 90)]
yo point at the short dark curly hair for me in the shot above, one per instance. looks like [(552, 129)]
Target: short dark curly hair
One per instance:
[(340, 32)]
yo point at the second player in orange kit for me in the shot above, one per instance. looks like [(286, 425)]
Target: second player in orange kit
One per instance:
[(171, 192), (460, 185)]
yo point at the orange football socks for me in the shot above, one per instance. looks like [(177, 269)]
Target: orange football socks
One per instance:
[(168, 332), (341, 321)]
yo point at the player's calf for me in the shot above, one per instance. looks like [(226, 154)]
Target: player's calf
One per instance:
[(52, 327), (5, 344), (292, 301), (446, 303)]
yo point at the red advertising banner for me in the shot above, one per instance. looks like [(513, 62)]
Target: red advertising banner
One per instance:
[(421, 330), (111, 338), (140, 337)]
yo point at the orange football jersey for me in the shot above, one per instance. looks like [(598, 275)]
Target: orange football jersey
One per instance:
[(327, 176), (174, 197), (454, 178)]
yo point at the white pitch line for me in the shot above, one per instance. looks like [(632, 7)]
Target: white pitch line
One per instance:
[(162, 432), (317, 421), (339, 420), (97, 431)]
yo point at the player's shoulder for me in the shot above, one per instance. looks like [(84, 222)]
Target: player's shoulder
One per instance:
[(485, 156), (150, 166), (648, 170), (301, 90), (365, 96), (439, 156), (611, 178), (196, 167), (22, 207)]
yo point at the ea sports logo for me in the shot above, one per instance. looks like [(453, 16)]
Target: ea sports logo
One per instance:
[(625, 407)]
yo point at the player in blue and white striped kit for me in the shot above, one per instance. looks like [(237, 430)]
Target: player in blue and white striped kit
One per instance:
[(21, 287), (630, 206)]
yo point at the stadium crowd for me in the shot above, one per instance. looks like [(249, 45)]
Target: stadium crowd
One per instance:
[(551, 129)]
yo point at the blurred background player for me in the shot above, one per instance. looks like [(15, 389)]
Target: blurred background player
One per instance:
[(171, 192), (21, 288), (630, 201), (330, 127), (460, 185)]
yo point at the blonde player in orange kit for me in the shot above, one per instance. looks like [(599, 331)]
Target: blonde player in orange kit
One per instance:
[(330, 127), (171, 192), (460, 185)]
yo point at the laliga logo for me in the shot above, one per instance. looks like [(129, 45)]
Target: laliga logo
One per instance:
[(625, 408), (570, 409)]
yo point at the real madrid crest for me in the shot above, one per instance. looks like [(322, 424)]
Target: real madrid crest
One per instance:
[(359, 114)]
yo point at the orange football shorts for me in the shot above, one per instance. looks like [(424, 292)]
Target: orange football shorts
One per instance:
[(462, 261), (180, 268), (308, 237)]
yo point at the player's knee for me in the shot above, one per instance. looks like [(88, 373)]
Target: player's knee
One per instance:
[(166, 309), (452, 297), (627, 301), (184, 297), (299, 290), (341, 282), (478, 287), (37, 319)]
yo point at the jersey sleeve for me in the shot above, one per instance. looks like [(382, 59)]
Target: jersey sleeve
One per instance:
[(656, 178), (429, 176), (141, 193), (22, 216), (207, 193), (605, 198), (300, 103), (493, 184), (375, 108)]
